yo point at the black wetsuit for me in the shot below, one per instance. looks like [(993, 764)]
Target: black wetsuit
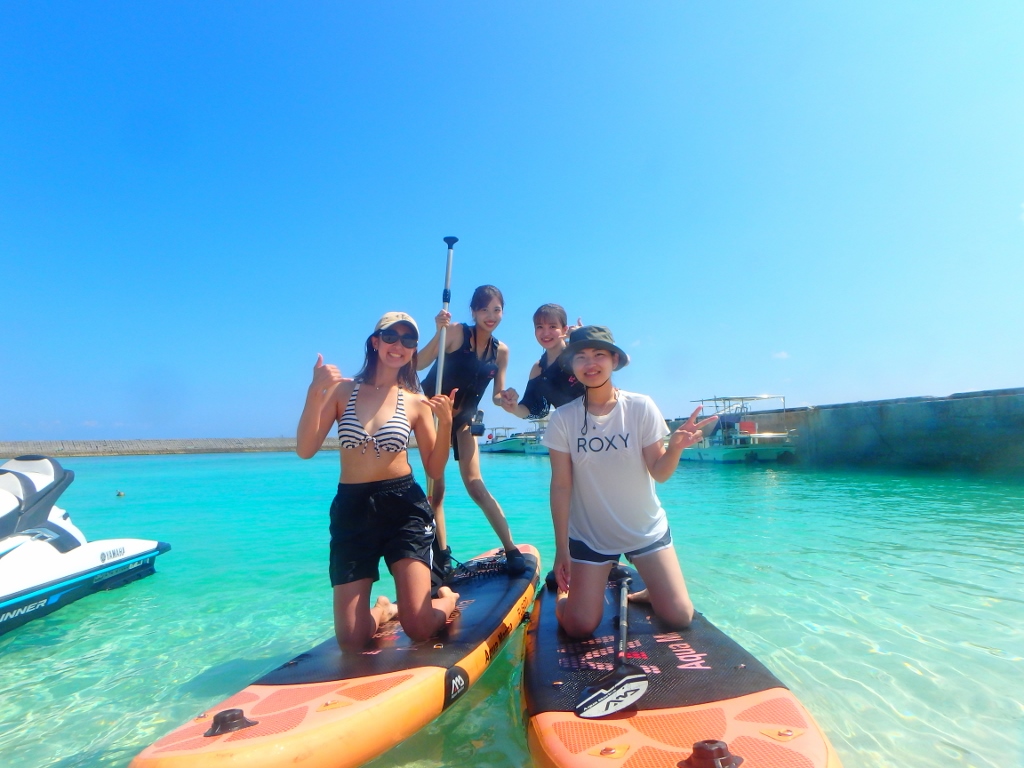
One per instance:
[(471, 374), (552, 388)]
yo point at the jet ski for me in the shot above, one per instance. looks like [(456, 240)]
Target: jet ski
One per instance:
[(45, 560)]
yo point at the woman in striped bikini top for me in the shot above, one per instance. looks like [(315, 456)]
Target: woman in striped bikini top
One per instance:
[(392, 436), (380, 408)]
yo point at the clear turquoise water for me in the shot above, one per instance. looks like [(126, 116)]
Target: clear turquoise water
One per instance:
[(890, 603)]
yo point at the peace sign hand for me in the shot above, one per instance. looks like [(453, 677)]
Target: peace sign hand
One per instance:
[(690, 431)]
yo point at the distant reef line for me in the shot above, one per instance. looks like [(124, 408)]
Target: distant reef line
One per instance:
[(58, 448)]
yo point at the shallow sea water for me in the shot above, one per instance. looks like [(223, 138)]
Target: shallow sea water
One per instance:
[(891, 604)]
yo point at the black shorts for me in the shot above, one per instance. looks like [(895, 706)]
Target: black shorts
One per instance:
[(582, 553), (387, 518), (464, 418), (455, 439)]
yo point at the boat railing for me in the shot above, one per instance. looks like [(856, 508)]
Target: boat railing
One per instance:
[(497, 434), (500, 434), (757, 438)]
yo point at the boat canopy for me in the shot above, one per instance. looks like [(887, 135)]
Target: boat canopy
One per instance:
[(737, 403)]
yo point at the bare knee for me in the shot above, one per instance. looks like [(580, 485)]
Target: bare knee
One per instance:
[(576, 628), (437, 495), (575, 624), (352, 633), (420, 627), (678, 615), (351, 641), (680, 621), (478, 491), (416, 632)]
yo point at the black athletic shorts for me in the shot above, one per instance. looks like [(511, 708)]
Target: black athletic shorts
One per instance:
[(387, 518)]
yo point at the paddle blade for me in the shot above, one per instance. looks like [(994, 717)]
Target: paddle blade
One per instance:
[(612, 693)]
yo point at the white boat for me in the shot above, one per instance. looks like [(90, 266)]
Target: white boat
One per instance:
[(505, 440), (735, 439), (45, 560), (537, 447)]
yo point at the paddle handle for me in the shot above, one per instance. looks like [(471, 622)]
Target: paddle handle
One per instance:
[(446, 297)]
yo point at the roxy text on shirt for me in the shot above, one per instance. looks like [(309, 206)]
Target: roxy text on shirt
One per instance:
[(599, 444)]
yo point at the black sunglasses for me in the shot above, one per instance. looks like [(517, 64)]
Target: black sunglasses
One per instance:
[(409, 341)]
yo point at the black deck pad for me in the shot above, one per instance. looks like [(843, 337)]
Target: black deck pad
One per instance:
[(486, 594), (697, 665)]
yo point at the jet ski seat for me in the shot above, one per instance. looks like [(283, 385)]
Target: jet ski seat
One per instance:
[(29, 487), (13, 491)]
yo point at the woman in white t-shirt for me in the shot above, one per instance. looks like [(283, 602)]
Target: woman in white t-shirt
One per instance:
[(607, 450)]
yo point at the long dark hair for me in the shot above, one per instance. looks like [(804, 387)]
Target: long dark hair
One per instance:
[(407, 378), (482, 296)]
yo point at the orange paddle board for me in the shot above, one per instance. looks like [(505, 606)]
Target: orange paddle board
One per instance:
[(332, 709)]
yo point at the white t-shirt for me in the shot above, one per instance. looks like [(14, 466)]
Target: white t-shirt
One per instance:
[(614, 506)]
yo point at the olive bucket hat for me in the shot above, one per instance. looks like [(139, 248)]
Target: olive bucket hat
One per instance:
[(591, 337)]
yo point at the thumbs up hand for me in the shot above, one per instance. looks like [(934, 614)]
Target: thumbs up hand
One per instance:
[(326, 378)]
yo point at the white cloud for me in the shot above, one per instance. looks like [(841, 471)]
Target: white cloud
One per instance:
[(780, 355)]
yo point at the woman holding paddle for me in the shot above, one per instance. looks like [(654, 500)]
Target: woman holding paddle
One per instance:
[(474, 361), (607, 449), (380, 510)]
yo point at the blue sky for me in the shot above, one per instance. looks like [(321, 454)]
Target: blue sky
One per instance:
[(819, 200)]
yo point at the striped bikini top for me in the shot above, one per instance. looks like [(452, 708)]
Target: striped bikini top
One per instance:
[(393, 435)]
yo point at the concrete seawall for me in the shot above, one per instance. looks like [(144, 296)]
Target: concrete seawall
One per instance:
[(971, 431)]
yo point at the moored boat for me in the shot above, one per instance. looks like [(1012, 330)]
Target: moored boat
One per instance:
[(504, 440), (735, 439), (538, 447)]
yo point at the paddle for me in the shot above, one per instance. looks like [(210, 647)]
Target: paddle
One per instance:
[(446, 297), (625, 684)]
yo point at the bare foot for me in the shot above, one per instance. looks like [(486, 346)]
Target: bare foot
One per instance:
[(387, 610), (639, 597), (446, 601)]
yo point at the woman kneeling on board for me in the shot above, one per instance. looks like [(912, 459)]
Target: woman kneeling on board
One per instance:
[(380, 510), (607, 449)]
